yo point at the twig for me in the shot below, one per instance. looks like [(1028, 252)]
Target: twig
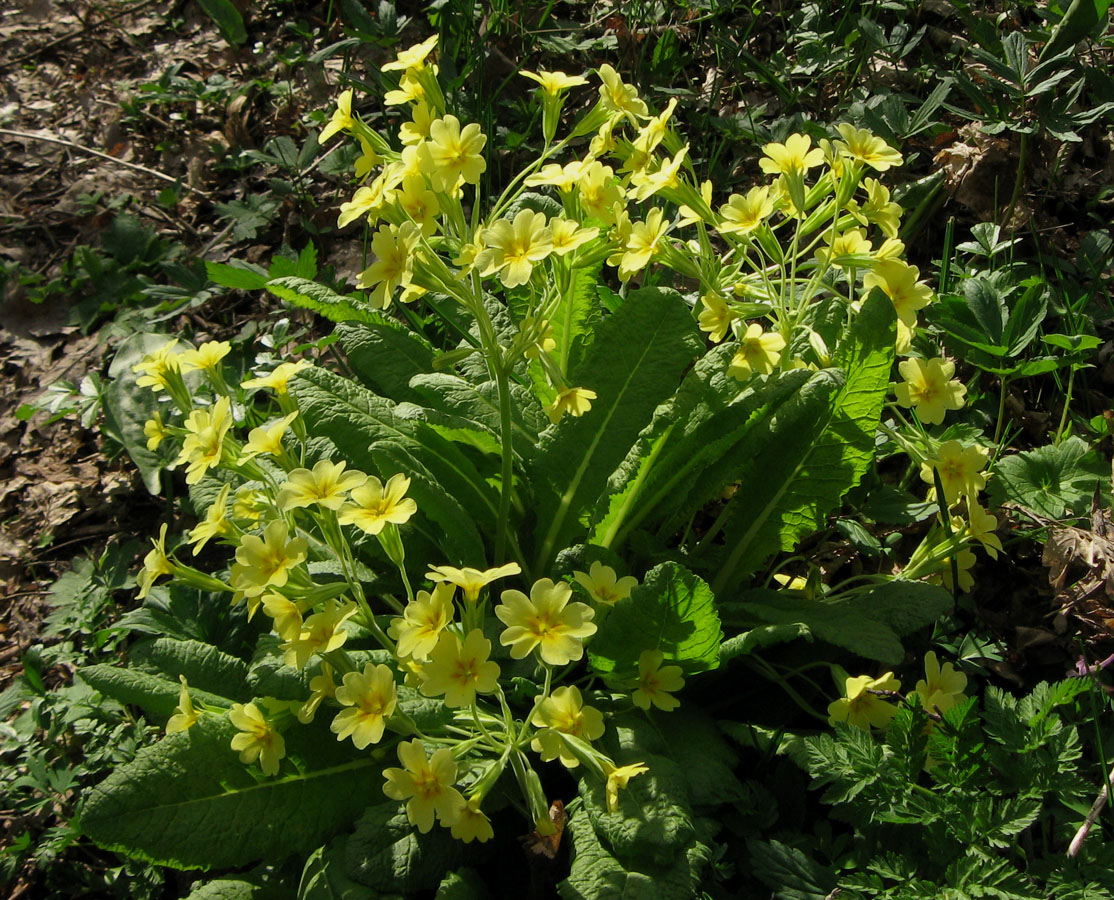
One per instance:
[(50, 45), (53, 139), (1092, 817)]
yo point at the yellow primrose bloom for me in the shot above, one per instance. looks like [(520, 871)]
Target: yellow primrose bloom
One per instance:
[(419, 203), (414, 161), (373, 697), (155, 431), (656, 683), (878, 209), (374, 505), (457, 153), (546, 621), (663, 178), (367, 160), (369, 200), (862, 709), (652, 133), (263, 562), (266, 439), (643, 243), (618, 777), (417, 129), (564, 712), (964, 562), (942, 687), (427, 786), (422, 622), (929, 387), (409, 90), (185, 716), (960, 470), (205, 358), (460, 670), (155, 563), (981, 526), (473, 825), (204, 443), (743, 214), (249, 504), (603, 141), (716, 317), (342, 117), (215, 523), (326, 486), (540, 333), (759, 352), (471, 581), (568, 235), (514, 247), (321, 686), (413, 57), (561, 177), (864, 147), (599, 191), (156, 368), (393, 248), (286, 613), (898, 281), (791, 158), (602, 583), (574, 401), (553, 83), (321, 633), (257, 739), (617, 97), (851, 242), (279, 378), (688, 215)]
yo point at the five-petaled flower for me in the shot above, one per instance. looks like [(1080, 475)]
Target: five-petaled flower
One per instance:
[(656, 683), (263, 562), (564, 712), (929, 387), (460, 670), (325, 485), (375, 505), (372, 696), (942, 687), (545, 621), (618, 777), (257, 740), (758, 354), (426, 784), (960, 470), (604, 585), (422, 622), (861, 708), (471, 581)]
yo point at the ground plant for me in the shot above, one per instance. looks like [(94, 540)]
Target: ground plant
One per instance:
[(617, 527)]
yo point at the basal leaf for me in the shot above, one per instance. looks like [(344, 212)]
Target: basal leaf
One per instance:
[(152, 693), (321, 299), (387, 853), (385, 356), (1052, 481), (206, 667)]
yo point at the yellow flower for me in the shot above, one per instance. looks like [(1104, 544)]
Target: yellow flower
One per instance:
[(205, 358), (964, 562), (642, 243), (321, 686), (791, 158), (601, 582), (758, 353), (561, 177), (412, 57), (422, 622), (266, 562), (157, 367), (662, 178), (689, 216), (215, 523), (656, 683), (321, 633), (981, 526), (553, 83), (848, 243), (185, 716), (248, 504), (862, 709), (540, 335), (960, 470), (410, 90), (257, 739), (568, 235), (369, 200), (373, 698), (204, 443), (546, 621), (155, 431), (326, 486), (930, 388), (743, 214), (278, 379), (155, 563), (471, 581), (286, 613), (374, 505), (456, 153), (574, 401), (618, 777), (599, 191), (417, 129), (473, 825), (460, 670), (942, 687), (427, 786), (419, 203), (877, 210), (342, 117), (716, 317), (393, 248), (514, 247), (864, 147), (367, 160), (898, 281), (564, 712), (652, 133), (617, 97), (266, 440)]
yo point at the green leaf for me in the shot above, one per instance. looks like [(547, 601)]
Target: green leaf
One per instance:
[(385, 356), (152, 693), (324, 877), (1052, 481), (813, 451), (232, 889), (227, 19), (463, 884), (762, 636), (1083, 19), (573, 315), (206, 668), (672, 611), (188, 802), (789, 873), (321, 299), (634, 362), (387, 853), (242, 276)]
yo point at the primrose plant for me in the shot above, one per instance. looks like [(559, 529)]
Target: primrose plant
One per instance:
[(524, 517)]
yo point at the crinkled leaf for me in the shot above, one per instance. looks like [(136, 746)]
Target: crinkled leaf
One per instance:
[(206, 667), (324, 877), (384, 355), (789, 873), (387, 853), (152, 693), (1052, 481), (321, 299)]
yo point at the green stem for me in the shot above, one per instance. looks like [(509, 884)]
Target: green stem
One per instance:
[(506, 451)]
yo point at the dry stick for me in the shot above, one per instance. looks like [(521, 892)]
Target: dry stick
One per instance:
[(50, 45), (1092, 817), (52, 139)]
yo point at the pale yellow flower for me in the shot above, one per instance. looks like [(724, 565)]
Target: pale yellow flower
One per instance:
[(878, 209), (412, 57), (278, 379), (372, 696), (942, 687), (514, 247), (656, 683), (287, 615), (473, 825), (155, 563), (457, 153), (341, 119), (716, 317), (321, 687), (599, 192), (427, 786), (367, 160), (185, 716), (266, 439), (647, 183), (617, 97), (851, 242), (326, 485), (960, 470), (981, 526), (574, 401), (568, 235), (422, 621), (545, 621), (862, 709), (471, 581), (393, 248), (929, 387), (864, 147), (564, 712), (257, 739), (742, 214), (155, 431), (553, 83), (417, 129), (642, 243), (157, 368), (419, 203), (603, 584), (758, 354), (618, 777), (205, 358), (215, 522), (791, 158), (459, 670), (369, 200), (374, 505), (898, 281), (409, 90), (652, 133), (203, 446), (321, 633), (263, 562)]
